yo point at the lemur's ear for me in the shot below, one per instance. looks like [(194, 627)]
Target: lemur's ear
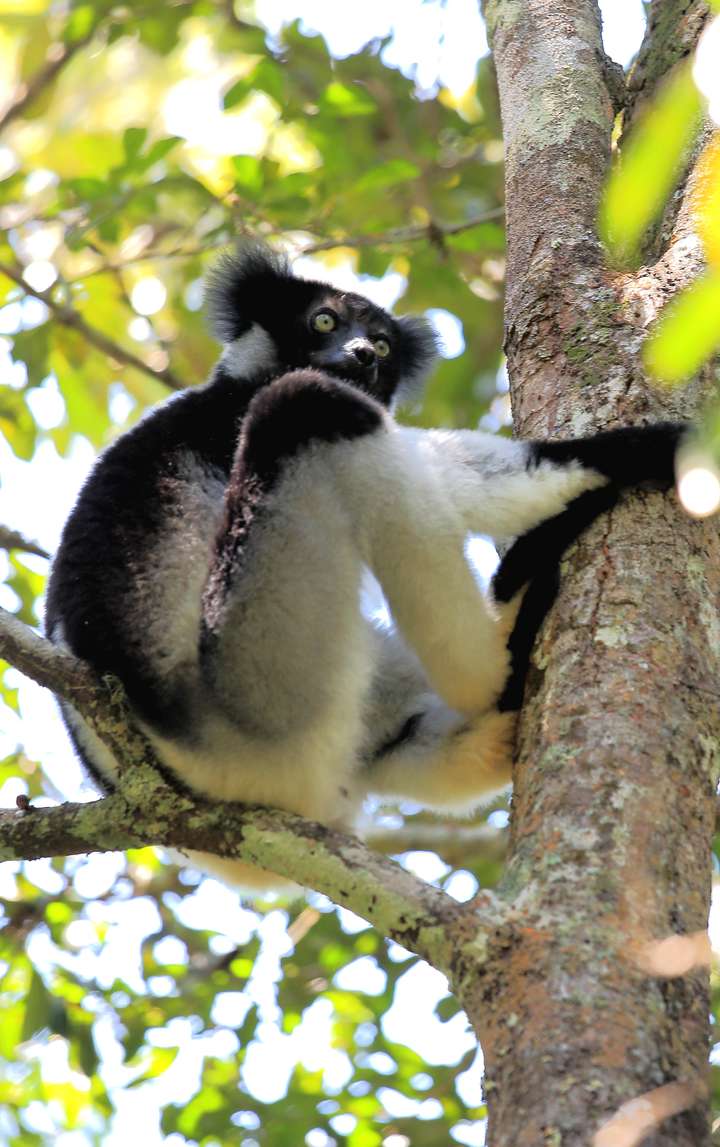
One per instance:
[(419, 351), (245, 286)]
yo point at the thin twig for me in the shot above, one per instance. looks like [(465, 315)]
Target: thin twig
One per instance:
[(58, 57), (398, 235), (432, 231), (71, 318), (12, 540)]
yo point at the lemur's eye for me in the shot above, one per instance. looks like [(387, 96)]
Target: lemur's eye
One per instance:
[(324, 321), (382, 348)]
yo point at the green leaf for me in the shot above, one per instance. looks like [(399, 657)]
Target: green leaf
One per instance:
[(160, 149), (32, 348), (133, 140), (37, 1003), (248, 174), (347, 100), (364, 1136), (155, 1061), (237, 92), (205, 1102), (84, 187), (687, 333), (81, 20), (269, 77), (17, 424), (387, 175), (649, 165)]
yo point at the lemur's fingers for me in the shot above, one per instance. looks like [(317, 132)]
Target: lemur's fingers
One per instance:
[(627, 456)]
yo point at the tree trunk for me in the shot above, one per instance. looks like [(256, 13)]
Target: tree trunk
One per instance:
[(593, 1009)]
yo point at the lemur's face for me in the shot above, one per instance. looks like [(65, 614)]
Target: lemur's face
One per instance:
[(346, 336), (306, 323), (352, 338)]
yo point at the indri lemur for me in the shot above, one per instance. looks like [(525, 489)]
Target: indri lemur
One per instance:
[(214, 558)]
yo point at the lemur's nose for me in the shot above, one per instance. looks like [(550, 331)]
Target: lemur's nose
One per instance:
[(364, 353)]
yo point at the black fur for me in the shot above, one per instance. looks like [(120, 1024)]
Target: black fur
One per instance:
[(255, 285), (627, 456), (303, 407), (135, 476), (252, 284), (284, 418), (140, 475)]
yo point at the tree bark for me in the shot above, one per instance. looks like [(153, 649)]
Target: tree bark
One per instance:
[(593, 1009)]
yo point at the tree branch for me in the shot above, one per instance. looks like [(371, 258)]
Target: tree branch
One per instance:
[(433, 231), (422, 918), (611, 740), (71, 318), (418, 232), (672, 33), (12, 540), (557, 119), (58, 57)]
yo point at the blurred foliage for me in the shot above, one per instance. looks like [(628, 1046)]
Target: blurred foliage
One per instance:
[(136, 142), (688, 333), (649, 167), (182, 1003)]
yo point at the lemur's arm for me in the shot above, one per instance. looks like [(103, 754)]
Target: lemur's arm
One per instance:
[(505, 488), (544, 494)]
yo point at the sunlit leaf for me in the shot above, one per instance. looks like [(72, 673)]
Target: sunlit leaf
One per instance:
[(17, 424), (649, 165), (248, 173), (687, 333), (155, 1061), (23, 7), (347, 100), (387, 175), (706, 198), (35, 50), (364, 1136), (205, 1102), (82, 17), (133, 140), (36, 1008)]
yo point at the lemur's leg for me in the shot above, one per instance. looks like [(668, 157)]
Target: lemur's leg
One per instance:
[(417, 748), (324, 483), (534, 605), (448, 769), (544, 545)]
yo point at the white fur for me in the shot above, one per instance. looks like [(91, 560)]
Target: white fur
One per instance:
[(167, 587), (251, 354), (490, 484)]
